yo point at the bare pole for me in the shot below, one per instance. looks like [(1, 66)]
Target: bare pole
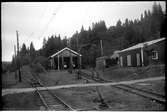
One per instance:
[(58, 67), (79, 58), (14, 50), (15, 61), (78, 50), (71, 65), (18, 62), (101, 46)]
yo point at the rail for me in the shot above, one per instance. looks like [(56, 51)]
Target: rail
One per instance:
[(35, 83), (147, 94)]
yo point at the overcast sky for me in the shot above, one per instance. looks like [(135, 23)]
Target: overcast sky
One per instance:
[(34, 21)]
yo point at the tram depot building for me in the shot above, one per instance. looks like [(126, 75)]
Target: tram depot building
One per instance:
[(62, 59), (143, 54)]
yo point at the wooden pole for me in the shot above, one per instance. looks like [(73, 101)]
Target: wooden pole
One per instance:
[(70, 63), (101, 45), (70, 57), (53, 63), (58, 63), (15, 62), (18, 56)]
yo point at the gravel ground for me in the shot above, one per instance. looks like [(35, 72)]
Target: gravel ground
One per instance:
[(131, 73), (59, 78), (153, 86), (22, 101), (116, 99), (81, 98)]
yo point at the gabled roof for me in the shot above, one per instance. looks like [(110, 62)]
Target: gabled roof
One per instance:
[(140, 45), (66, 48)]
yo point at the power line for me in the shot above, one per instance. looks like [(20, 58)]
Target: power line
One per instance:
[(38, 23), (47, 25)]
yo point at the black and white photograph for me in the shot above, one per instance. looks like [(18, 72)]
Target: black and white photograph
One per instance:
[(83, 56)]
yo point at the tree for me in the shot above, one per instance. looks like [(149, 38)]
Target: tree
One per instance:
[(151, 25), (32, 51), (44, 43), (23, 50), (119, 23)]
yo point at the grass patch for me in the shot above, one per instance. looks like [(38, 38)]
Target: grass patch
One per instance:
[(130, 73), (22, 101)]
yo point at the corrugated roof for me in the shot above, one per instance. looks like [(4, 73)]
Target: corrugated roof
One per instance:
[(140, 45), (66, 48)]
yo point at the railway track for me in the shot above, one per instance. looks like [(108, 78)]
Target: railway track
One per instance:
[(89, 77), (50, 101), (147, 94)]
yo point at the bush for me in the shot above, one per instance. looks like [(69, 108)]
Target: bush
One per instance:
[(37, 68), (42, 60), (25, 60), (111, 62)]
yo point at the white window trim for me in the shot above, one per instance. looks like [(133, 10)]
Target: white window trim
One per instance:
[(156, 55)]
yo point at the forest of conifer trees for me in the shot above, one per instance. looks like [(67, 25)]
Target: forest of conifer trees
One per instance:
[(151, 25)]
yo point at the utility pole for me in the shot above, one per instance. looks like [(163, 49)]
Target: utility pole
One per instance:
[(15, 61), (101, 46), (71, 65), (18, 54), (14, 50), (78, 50), (79, 58)]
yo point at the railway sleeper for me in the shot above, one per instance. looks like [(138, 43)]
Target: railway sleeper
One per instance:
[(57, 107)]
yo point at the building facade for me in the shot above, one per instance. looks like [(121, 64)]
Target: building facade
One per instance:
[(64, 59), (143, 54)]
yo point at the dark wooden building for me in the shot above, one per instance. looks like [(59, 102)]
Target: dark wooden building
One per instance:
[(143, 54), (65, 58), (101, 62)]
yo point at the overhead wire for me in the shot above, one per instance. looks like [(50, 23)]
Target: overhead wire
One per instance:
[(48, 23), (37, 23)]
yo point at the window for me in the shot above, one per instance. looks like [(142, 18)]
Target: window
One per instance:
[(154, 55), (129, 60), (121, 61)]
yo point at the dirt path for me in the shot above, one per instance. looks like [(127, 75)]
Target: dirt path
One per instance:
[(23, 90)]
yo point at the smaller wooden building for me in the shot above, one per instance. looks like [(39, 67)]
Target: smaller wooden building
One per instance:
[(101, 62), (143, 54), (65, 58)]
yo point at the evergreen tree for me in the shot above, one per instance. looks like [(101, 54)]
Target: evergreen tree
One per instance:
[(32, 51), (23, 50)]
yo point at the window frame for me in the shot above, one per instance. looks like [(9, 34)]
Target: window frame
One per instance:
[(154, 55)]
